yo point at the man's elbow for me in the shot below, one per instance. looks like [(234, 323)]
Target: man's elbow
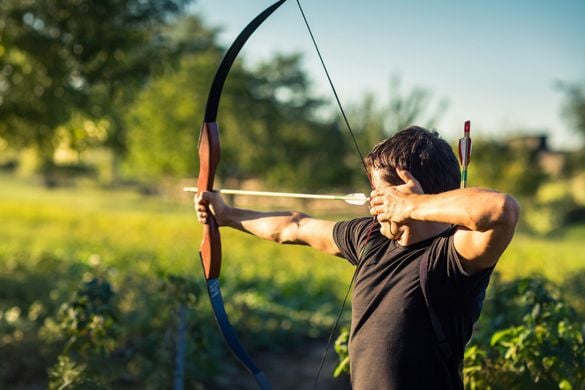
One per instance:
[(289, 231), (510, 211)]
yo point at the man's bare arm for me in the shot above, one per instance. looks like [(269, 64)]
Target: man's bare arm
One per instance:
[(288, 227), (486, 218)]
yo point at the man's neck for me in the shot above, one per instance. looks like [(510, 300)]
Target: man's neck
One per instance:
[(418, 231)]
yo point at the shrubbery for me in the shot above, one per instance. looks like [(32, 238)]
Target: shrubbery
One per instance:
[(528, 337)]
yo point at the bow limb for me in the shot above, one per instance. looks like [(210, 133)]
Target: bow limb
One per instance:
[(209, 156)]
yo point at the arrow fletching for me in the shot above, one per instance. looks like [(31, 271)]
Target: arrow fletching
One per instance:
[(465, 152), (356, 199)]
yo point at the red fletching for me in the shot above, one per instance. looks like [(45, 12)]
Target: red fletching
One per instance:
[(465, 145)]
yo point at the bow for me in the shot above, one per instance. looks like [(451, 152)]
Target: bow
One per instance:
[(209, 156)]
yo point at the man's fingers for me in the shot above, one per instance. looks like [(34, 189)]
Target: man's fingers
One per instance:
[(378, 196), (201, 201), (202, 198), (377, 210), (376, 200), (381, 218), (201, 211), (209, 205)]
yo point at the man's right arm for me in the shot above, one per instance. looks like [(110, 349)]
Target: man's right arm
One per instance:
[(287, 227)]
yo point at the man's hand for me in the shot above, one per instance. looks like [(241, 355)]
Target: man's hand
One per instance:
[(219, 209), (389, 203)]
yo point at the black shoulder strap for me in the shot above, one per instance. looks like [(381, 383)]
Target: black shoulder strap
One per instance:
[(423, 273)]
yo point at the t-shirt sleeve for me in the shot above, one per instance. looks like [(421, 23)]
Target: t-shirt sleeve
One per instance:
[(446, 272), (351, 237)]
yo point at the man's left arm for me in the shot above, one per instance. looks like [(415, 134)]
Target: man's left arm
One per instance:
[(486, 219)]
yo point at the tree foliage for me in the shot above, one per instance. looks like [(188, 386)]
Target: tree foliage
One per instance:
[(375, 121), (574, 111), (266, 120), (59, 57), (574, 107), (133, 76), (527, 337), (537, 340), (497, 164)]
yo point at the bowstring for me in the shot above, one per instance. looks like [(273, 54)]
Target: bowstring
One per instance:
[(353, 137), (363, 163)]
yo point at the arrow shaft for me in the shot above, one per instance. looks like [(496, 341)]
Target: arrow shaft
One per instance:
[(353, 198)]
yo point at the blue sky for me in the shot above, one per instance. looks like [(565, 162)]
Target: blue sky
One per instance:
[(495, 61)]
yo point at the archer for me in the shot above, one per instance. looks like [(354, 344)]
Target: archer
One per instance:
[(422, 264)]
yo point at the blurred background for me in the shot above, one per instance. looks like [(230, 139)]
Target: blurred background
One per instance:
[(100, 108)]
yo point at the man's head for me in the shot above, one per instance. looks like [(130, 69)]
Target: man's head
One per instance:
[(422, 152)]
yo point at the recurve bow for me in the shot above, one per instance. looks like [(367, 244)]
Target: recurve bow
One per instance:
[(209, 156)]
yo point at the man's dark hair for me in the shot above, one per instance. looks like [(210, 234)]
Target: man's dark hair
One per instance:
[(422, 152)]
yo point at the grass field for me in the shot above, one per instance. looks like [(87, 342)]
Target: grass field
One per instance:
[(143, 233), (51, 239)]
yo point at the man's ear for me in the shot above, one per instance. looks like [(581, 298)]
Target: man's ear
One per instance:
[(408, 177), (405, 175)]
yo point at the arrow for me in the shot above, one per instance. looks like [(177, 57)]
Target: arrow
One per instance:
[(353, 199), (465, 152)]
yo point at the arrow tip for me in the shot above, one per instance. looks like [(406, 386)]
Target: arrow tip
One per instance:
[(467, 127)]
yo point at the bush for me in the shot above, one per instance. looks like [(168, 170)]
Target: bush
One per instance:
[(94, 328), (528, 337), (538, 341)]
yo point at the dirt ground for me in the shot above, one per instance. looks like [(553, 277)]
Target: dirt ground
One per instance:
[(294, 370)]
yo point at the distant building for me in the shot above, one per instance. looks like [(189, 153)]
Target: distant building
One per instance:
[(552, 162)]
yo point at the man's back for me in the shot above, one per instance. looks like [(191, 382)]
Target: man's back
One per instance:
[(393, 344)]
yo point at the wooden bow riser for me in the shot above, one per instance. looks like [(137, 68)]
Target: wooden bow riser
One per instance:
[(209, 156)]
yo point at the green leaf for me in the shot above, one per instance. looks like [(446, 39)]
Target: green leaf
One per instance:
[(548, 362), (496, 337), (342, 367)]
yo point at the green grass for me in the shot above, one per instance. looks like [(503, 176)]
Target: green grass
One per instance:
[(556, 258), (127, 232), (146, 233), (52, 239)]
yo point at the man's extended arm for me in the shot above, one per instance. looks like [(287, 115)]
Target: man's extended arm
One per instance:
[(288, 227), (486, 218)]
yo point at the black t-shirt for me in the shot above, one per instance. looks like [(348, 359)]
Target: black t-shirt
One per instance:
[(392, 344)]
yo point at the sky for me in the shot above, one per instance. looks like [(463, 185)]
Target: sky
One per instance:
[(496, 62)]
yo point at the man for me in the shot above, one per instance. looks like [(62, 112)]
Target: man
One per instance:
[(424, 226)]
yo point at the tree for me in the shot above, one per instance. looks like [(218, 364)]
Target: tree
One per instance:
[(574, 110), (267, 121), (60, 57), (497, 164), (574, 107), (374, 122), (403, 109)]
